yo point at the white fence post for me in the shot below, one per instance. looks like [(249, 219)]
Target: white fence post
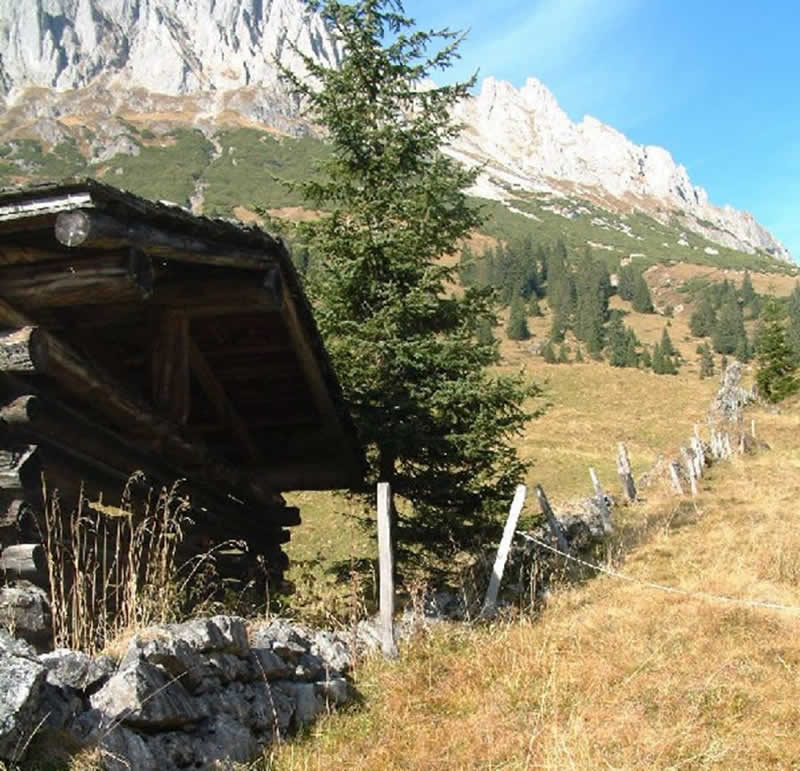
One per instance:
[(386, 569), (490, 601)]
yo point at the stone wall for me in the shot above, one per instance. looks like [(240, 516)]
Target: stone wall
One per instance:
[(205, 693)]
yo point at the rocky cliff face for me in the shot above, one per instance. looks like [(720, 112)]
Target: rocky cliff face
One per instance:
[(529, 143), (219, 57), (166, 46)]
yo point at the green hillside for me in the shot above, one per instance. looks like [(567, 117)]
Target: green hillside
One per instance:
[(243, 166)]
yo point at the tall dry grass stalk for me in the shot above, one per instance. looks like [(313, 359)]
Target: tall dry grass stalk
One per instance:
[(112, 569)]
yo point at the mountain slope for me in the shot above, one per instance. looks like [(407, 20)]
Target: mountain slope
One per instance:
[(72, 63)]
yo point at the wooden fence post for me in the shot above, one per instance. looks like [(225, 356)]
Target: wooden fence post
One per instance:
[(689, 462), (624, 471), (551, 520), (600, 494), (386, 569), (490, 600), (676, 480), (699, 454)]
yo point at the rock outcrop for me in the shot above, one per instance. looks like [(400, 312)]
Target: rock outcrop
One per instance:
[(185, 695)]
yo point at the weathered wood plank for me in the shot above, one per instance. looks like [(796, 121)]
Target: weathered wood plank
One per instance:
[(386, 569), (552, 522), (17, 463), (624, 472), (227, 412), (171, 371), (320, 390), (490, 600), (32, 349), (125, 277), (92, 229), (602, 502)]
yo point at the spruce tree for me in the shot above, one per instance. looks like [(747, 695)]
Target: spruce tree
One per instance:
[(776, 376), (706, 362), (747, 293), (667, 348), (631, 354), (617, 342), (517, 327), (647, 359), (703, 318), (626, 282), (563, 354), (437, 425), (658, 360), (548, 354), (533, 306), (593, 287), (793, 329), (641, 300), (579, 355), (729, 329)]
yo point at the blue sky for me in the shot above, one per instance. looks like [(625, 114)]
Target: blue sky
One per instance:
[(716, 83)]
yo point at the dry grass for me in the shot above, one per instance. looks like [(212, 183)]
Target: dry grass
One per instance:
[(614, 674), (112, 569)]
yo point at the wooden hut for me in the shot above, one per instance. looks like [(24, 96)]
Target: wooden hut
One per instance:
[(135, 336)]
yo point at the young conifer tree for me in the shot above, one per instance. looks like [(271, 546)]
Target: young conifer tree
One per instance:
[(776, 376), (437, 424)]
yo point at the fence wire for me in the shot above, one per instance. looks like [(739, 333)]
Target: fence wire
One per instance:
[(661, 587)]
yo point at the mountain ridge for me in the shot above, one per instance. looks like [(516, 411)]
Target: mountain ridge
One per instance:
[(217, 57)]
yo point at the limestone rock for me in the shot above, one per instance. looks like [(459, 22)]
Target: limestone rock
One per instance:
[(21, 683), (142, 696), (25, 609)]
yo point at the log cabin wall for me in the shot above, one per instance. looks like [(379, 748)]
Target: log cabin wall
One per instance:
[(136, 337)]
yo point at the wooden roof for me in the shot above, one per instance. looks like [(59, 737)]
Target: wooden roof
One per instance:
[(189, 335)]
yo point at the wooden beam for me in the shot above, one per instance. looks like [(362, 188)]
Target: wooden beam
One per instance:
[(126, 277), (171, 374), (98, 450), (227, 412), (320, 389), (18, 464), (220, 296), (88, 228), (32, 350), (11, 316)]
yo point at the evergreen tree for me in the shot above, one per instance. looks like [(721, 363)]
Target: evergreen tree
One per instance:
[(617, 342), (703, 318), (485, 332), (658, 360), (729, 329), (647, 359), (626, 282), (548, 354), (641, 300), (706, 362), (747, 293), (793, 329), (436, 424), (631, 354), (579, 355), (517, 327), (563, 354), (593, 287), (743, 351), (533, 306), (776, 376), (667, 348), (559, 325), (467, 267)]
